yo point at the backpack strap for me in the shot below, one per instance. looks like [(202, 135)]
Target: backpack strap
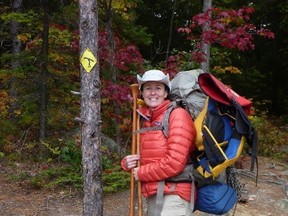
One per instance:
[(185, 176), (165, 122), (213, 151), (149, 129), (159, 198), (243, 126)]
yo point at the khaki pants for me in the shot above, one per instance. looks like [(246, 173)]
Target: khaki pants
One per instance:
[(173, 205)]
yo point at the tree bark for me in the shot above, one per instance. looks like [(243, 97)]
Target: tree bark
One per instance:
[(16, 48), (90, 111), (205, 46), (113, 71), (170, 30), (44, 73)]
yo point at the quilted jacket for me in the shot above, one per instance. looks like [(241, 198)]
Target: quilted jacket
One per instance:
[(162, 157)]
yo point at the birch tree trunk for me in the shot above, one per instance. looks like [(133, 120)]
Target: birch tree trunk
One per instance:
[(206, 47), (90, 109)]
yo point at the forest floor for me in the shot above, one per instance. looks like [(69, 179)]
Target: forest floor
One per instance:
[(269, 198)]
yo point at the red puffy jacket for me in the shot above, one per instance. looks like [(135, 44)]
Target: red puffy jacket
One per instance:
[(162, 157)]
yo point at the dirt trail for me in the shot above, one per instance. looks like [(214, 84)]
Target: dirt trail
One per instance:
[(269, 198)]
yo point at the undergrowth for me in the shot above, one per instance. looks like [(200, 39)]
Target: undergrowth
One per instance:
[(62, 167), (273, 136)]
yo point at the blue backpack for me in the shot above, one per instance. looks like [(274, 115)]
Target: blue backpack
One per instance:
[(215, 198)]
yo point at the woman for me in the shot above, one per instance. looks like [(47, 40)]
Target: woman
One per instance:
[(162, 157)]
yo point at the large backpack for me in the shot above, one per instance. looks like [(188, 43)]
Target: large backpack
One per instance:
[(220, 117), (222, 128)]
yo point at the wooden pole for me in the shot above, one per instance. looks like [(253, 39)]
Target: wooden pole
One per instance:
[(135, 150), (140, 204), (135, 92)]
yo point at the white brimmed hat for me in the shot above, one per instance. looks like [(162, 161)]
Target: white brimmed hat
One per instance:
[(154, 75)]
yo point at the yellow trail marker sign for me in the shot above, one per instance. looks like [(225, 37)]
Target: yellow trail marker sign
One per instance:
[(88, 60)]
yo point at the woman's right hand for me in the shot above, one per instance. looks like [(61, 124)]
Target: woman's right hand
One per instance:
[(131, 161)]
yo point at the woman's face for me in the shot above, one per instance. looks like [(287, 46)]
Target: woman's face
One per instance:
[(153, 93)]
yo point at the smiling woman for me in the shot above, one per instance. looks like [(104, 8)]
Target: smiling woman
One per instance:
[(153, 93), (162, 157), (155, 87)]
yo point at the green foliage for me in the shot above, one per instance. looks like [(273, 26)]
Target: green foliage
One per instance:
[(22, 176), (61, 177), (65, 151), (71, 153), (54, 177), (28, 18), (115, 179), (53, 150), (63, 169), (59, 36), (1, 154), (66, 172), (70, 12), (272, 138), (184, 60), (220, 57), (8, 135), (137, 34)]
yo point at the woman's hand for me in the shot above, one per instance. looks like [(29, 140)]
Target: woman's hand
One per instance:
[(131, 161)]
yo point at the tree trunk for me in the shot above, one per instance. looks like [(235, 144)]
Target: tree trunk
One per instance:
[(170, 30), (90, 109), (206, 47), (113, 72), (44, 73), (111, 45), (16, 48)]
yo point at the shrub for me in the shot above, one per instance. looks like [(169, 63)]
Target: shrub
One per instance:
[(272, 138)]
